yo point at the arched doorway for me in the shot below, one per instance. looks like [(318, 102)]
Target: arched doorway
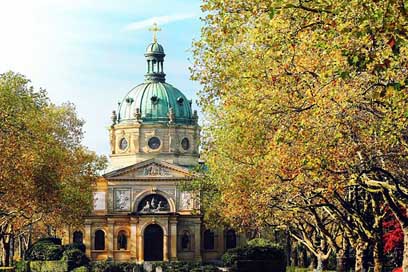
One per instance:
[(153, 243)]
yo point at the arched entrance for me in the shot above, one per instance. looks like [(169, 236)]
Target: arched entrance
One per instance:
[(153, 243)]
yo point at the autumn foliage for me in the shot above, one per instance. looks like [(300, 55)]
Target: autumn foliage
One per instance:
[(306, 105), (45, 173)]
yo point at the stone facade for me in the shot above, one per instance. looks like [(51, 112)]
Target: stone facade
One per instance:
[(140, 213)]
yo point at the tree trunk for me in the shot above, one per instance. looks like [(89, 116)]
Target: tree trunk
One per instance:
[(341, 261), (321, 262), (288, 248), (319, 267), (6, 253), (360, 248), (303, 257), (378, 256), (313, 261), (294, 255), (12, 250), (405, 258)]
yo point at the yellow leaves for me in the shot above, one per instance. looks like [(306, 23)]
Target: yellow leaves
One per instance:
[(261, 73), (43, 166)]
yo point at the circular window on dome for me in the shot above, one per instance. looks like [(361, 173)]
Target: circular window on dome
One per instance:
[(180, 100), (185, 144), (154, 143), (154, 99), (123, 144)]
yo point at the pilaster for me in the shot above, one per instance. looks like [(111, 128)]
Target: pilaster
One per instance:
[(88, 240), (110, 240), (133, 239), (197, 242), (140, 247), (173, 239), (165, 248)]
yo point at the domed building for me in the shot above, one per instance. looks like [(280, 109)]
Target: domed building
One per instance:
[(140, 213)]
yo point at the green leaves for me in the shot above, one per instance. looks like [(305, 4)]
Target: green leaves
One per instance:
[(45, 172), (272, 12)]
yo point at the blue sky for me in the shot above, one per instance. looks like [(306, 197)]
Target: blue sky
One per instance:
[(90, 52)]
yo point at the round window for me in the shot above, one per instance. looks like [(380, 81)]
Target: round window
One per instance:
[(123, 144), (154, 143), (185, 144)]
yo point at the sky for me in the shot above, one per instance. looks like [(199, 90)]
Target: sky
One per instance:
[(91, 52)]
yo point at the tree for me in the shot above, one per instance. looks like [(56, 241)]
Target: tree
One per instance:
[(45, 173), (393, 237), (303, 96)]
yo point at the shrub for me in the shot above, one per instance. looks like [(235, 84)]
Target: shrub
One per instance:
[(180, 266), (107, 266), (49, 240), (22, 266), (75, 258), (261, 242), (80, 269), (209, 268), (253, 253), (173, 266), (74, 246), (48, 266), (44, 251)]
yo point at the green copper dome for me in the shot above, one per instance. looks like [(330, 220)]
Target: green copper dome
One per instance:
[(154, 48), (155, 101)]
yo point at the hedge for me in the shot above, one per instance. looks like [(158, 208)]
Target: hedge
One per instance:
[(75, 258), (44, 251), (256, 258), (48, 266)]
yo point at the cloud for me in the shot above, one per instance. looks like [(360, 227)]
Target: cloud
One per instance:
[(161, 20)]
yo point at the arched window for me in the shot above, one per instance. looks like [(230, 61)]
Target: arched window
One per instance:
[(77, 237), (99, 240), (208, 240), (185, 241), (230, 239), (122, 240)]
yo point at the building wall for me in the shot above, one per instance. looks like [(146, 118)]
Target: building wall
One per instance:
[(138, 135), (173, 229)]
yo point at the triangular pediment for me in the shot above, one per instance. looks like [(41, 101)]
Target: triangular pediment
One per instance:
[(149, 169)]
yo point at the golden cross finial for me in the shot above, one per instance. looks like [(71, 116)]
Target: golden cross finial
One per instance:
[(155, 29)]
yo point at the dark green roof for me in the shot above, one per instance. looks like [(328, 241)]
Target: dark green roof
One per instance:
[(154, 48), (154, 100)]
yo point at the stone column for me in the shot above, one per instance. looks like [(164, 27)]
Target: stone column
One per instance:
[(173, 239), (109, 240), (88, 240), (165, 248), (133, 239), (197, 242)]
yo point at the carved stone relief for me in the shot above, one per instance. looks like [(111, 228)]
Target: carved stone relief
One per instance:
[(153, 203), (186, 201), (154, 170), (122, 199), (99, 201)]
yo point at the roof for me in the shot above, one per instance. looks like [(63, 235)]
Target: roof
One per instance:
[(155, 102)]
